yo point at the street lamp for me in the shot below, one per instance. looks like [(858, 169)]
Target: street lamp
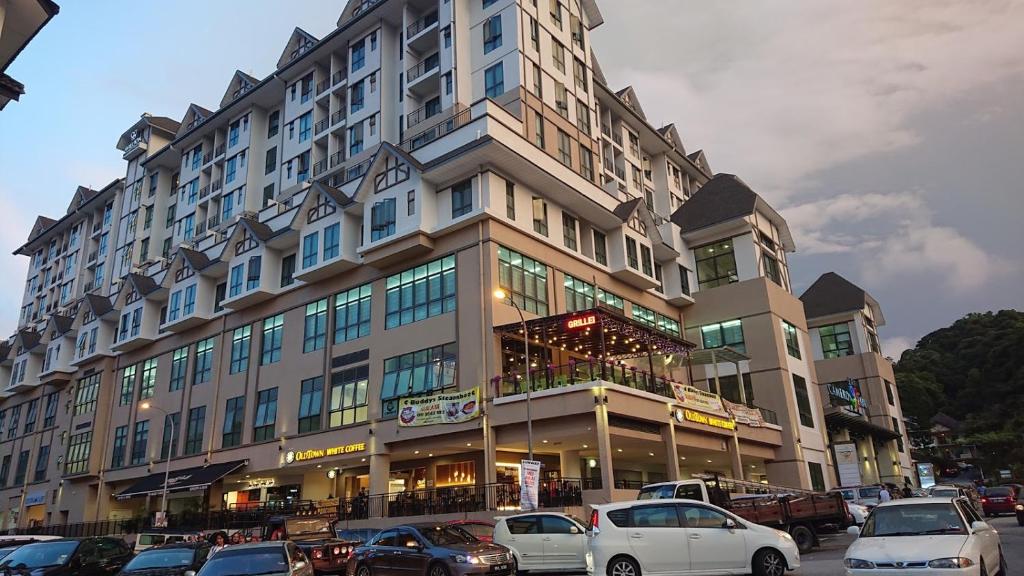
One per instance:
[(167, 464), (501, 295)]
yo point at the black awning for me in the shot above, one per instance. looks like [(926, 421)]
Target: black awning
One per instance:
[(186, 480), (843, 418)]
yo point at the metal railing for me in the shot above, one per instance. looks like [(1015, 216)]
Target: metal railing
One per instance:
[(219, 151), (769, 416), (438, 130), (336, 158), (429, 63), (584, 371), (337, 116), (339, 76), (217, 185), (214, 221), (319, 167), (320, 126), (204, 191), (421, 24), (422, 113), (322, 86)]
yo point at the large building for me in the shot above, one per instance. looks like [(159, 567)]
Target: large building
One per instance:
[(320, 254), (20, 21)]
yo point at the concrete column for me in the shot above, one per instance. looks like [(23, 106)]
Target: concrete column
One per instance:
[(569, 464), (490, 461), (668, 436), (380, 473), (884, 458), (735, 458), (869, 462), (604, 450)]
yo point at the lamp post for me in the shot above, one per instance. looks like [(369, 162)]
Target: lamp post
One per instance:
[(167, 463), (501, 295)]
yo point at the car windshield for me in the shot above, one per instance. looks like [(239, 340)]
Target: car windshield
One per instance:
[(848, 495), (914, 520), (5, 551), (945, 493), (41, 554), (246, 562), (446, 535), (477, 530), (657, 492), (308, 526), (156, 558), (870, 492), (999, 492)]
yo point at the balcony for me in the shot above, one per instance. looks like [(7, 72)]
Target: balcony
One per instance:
[(337, 117), (438, 130), (339, 77), (207, 158), (200, 229), (421, 34), (345, 260), (319, 167), (213, 222), (425, 112), (322, 86), (217, 185), (336, 159), (219, 151), (320, 126), (97, 227), (134, 148), (422, 79), (204, 191), (92, 257)]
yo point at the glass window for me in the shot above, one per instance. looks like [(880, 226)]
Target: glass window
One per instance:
[(12, 430), (701, 517), (510, 200), (127, 385), (179, 367), (792, 339), (79, 446), (85, 395), (889, 396), (423, 372), (462, 198), (315, 328), (169, 444), (524, 279), (305, 126), (235, 281), (310, 249), (50, 413), (716, 265), (288, 270), (724, 334), (241, 339), (494, 81), (492, 33), (579, 295), (234, 418), (140, 442), (252, 279), (600, 248), (22, 468), (358, 59), (569, 232), (120, 447), (540, 216), (266, 415), (273, 332), (332, 241), (311, 400), (352, 314), (148, 386), (421, 292), (558, 525), (817, 477), (383, 218), (803, 401), (5, 470), (203, 368), (194, 434), (348, 396), (835, 340), (613, 301), (664, 516), (523, 525), (771, 268)]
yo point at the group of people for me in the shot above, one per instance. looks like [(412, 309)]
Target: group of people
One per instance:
[(884, 495), (220, 540)]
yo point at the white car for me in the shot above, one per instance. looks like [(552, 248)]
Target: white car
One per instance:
[(543, 541), (859, 512), (676, 536), (925, 536)]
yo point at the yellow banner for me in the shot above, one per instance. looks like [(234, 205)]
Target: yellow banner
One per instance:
[(439, 408), (697, 398), (709, 420)]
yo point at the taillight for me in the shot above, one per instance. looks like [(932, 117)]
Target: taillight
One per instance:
[(983, 500), (318, 554), (337, 550), (595, 517)]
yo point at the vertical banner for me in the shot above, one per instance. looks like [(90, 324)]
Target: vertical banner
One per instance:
[(529, 484), (846, 463), (926, 474)]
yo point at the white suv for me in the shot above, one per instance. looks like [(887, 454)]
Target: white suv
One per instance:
[(674, 536), (543, 541)]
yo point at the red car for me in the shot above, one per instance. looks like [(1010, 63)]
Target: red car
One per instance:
[(482, 530), (999, 500)]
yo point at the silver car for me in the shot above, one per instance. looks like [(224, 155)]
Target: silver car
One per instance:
[(265, 558)]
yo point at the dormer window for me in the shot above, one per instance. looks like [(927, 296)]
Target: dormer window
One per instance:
[(716, 265)]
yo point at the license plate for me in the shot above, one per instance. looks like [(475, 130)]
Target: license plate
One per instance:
[(499, 568)]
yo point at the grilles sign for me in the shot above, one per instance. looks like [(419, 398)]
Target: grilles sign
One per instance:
[(580, 322)]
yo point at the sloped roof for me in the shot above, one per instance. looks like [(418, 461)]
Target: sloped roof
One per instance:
[(29, 338), (240, 82), (164, 123), (291, 50), (629, 97), (833, 294), (82, 195), (625, 210), (671, 134), (261, 231), (100, 305), (723, 198), (42, 224), (196, 260), (193, 111), (144, 284), (598, 73), (61, 324)]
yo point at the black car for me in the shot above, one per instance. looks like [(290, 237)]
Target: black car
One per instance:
[(68, 557), (430, 549), (169, 560)]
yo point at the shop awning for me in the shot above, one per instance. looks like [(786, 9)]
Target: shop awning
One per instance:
[(843, 418), (186, 480)]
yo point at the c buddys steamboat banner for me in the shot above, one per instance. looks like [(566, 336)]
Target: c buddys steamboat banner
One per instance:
[(696, 398), (744, 414), (439, 408)]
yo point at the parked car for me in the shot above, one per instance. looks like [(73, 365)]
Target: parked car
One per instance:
[(863, 495), (999, 500), (482, 530), (429, 549), (859, 512), (168, 560), (544, 542), (277, 557), (958, 491), (673, 535), (10, 543), (149, 539), (317, 537), (69, 557), (925, 535)]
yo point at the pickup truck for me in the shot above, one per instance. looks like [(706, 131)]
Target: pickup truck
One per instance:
[(801, 513), (316, 537)]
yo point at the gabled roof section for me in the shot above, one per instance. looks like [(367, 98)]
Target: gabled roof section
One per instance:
[(354, 8), (42, 224), (244, 226), (833, 294), (626, 210), (27, 339), (629, 98), (316, 190), (167, 126), (723, 198), (81, 196), (671, 134), (184, 257), (194, 116), (592, 16), (700, 159), (99, 305), (380, 157), (598, 73), (59, 324), (144, 285), (240, 84), (299, 42)]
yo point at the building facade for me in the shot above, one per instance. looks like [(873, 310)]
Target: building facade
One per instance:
[(20, 21), (319, 254)]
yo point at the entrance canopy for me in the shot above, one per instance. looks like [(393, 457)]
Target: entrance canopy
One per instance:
[(187, 480), (843, 418)]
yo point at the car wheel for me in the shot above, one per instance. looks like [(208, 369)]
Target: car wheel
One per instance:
[(438, 569), (363, 570), (803, 537), (1003, 569), (983, 571), (769, 562), (623, 566)]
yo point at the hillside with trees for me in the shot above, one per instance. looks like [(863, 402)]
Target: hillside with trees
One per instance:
[(972, 371)]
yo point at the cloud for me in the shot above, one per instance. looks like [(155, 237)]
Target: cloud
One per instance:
[(894, 347)]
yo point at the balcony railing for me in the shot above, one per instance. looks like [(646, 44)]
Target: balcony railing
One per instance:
[(217, 185), (338, 116), (97, 227), (336, 158), (437, 130), (204, 191), (319, 167), (213, 222), (320, 126), (584, 371), (428, 20), (219, 151), (422, 113), (339, 76), (208, 157), (428, 64), (92, 257), (322, 86)]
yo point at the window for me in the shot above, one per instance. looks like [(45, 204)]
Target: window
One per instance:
[(307, 88), (564, 149), (494, 81), (50, 413), (684, 280), (600, 248), (140, 441), (646, 261), (288, 270), (204, 362), (332, 241), (169, 445), (274, 123), (792, 339), (356, 99), (896, 429), (311, 400), (270, 164), (835, 340), (716, 265), (305, 126), (510, 200), (569, 231), (492, 33), (631, 255), (355, 139), (540, 216), (315, 331), (194, 433), (556, 13), (610, 300), (419, 293), (382, 219), (558, 55), (240, 341), (771, 268), (561, 100), (889, 396), (645, 316), (79, 446), (273, 332), (5, 470), (701, 517), (535, 34), (724, 334), (586, 162), (462, 198), (85, 396), (348, 396), (579, 72), (358, 59), (12, 430), (873, 341), (22, 468), (148, 385), (266, 415), (189, 305), (310, 249), (662, 516), (31, 414), (235, 282), (422, 372), (352, 314), (538, 131), (120, 449), (730, 388), (524, 279), (817, 477), (234, 419), (579, 295), (230, 171), (538, 82), (179, 367), (803, 401)]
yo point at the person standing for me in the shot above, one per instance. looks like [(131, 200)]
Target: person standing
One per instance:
[(883, 494), (218, 543)]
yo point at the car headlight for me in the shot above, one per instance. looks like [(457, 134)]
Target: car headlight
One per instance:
[(858, 564), (463, 559), (951, 563), (786, 535), (1019, 507)]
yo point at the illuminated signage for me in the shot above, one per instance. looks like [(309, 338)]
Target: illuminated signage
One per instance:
[(581, 321), (709, 420), (317, 453)]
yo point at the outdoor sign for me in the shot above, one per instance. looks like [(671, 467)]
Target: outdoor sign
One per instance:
[(529, 484), (439, 408), (160, 519), (849, 393), (846, 463), (744, 414), (581, 321), (1005, 474), (709, 420), (697, 398), (926, 474), (35, 498), (316, 453)]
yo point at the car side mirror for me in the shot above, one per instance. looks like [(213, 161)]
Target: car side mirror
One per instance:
[(574, 530), (299, 565), (853, 531), (980, 526), (729, 524), (189, 573)]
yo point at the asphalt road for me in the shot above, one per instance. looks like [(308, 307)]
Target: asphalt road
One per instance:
[(828, 560)]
